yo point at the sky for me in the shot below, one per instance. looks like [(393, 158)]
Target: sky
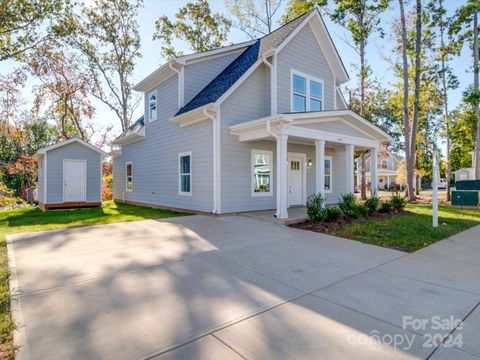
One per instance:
[(377, 50)]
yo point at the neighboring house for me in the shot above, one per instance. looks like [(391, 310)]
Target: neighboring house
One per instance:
[(387, 173), (466, 173), (69, 175), (253, 126)]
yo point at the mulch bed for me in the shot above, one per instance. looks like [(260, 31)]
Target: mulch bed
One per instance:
[(335, 226)]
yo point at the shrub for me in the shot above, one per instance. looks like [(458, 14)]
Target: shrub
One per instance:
[(372, 204), (333, 213), (347, 204), (397, 201), (385, 207), (315, 207), (360, 210)]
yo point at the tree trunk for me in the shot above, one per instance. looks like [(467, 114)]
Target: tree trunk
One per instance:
[(445, 100), (408, 160), (363, 185), (475, 87), (416, 100)]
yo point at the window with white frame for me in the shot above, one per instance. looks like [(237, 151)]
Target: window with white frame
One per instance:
[(384, 164), (328, 174), (152, 106), (185, 173), (129, 176), (307, 93), (262, 172)]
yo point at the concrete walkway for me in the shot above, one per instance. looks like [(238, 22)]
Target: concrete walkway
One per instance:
[(235, 287)]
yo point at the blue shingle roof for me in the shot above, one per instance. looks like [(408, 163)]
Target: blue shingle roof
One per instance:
[(219, 85)]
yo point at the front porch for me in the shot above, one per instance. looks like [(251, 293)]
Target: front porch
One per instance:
[(338, 132), (295, 214)]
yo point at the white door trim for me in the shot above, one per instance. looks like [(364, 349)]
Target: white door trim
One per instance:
[(84, 180), (304, 174)]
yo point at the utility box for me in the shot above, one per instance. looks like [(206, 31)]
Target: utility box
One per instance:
[(465, 198)]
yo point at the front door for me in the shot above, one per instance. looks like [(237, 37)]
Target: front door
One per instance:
[(295, 180), (74, 180)]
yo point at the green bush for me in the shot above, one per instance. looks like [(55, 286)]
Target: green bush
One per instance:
[(361, 210), (347, 204), (315, 207), (397, 202), (333, 213), (372, 204), (385, 207)]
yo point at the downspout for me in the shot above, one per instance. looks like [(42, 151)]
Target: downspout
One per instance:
[(180, 81), (216, 159), (273, 80)]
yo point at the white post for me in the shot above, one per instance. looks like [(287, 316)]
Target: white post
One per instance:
[(282, 180), (373, 172), (436, 178), (320, 167), (349, 167)]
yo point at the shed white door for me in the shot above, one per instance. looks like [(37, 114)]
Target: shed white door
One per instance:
[(74, 178), (295, 180)]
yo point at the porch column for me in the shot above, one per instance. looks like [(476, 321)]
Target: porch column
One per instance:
[(320, 167), (373, 172), (282, 177), (349, 168)]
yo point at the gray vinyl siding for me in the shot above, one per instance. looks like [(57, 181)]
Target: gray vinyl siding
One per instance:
[(303, 54), (41, 180), (250, 101), (340, 104), (199, 74), (338, 127), (74, 151), (236, 156), (155, 159)]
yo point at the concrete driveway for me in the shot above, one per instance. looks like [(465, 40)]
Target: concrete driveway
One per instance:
[(235, 287)]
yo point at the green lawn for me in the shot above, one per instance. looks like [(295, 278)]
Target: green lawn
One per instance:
[(31, 220), (412, 231)]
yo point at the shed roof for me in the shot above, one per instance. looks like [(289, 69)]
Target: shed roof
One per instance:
[(40, 153)]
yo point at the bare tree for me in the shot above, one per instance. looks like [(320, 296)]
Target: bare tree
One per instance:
[(254, 17)]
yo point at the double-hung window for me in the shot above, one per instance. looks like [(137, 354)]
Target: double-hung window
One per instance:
[(152, 106), (261, 172), (185, 173), (129, 176), (307, 93), (328, 174)]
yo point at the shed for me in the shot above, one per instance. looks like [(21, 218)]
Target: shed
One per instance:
[(464, 174), (69, 175)]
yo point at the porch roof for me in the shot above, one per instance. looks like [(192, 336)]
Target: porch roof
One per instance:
[(290, 124)]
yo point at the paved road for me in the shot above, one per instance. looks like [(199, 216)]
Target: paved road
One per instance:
[(204, 287)]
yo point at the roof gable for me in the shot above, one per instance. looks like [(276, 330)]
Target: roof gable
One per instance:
[(44, 150)]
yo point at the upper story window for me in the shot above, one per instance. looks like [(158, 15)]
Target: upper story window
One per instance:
[(307, 93), (152, 106), (384, 164)]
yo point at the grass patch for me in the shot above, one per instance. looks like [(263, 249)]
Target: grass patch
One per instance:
[(33, 219), (411, 231)]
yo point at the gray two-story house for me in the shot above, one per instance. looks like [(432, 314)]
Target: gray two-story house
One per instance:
[(254, 126)]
